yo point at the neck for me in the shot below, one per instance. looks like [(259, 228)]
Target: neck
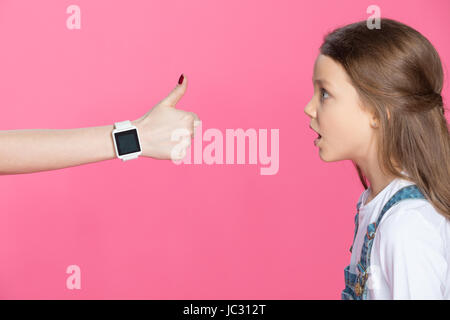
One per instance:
[(377, 181), (372, 171)]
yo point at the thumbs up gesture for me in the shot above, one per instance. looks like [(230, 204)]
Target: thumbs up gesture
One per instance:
[(165, 131)]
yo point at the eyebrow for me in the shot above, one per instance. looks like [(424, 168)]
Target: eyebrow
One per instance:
[(321, 81)]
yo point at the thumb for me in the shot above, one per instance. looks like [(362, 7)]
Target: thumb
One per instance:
[(177, 92)]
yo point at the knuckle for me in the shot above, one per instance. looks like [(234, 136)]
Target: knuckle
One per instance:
[(191, 116)]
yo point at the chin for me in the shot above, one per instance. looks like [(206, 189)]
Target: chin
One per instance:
[(327, 157)]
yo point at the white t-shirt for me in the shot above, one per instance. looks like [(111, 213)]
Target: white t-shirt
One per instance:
[(410, 257)]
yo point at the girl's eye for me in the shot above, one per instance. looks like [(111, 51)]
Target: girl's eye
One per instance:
[(323, 94)]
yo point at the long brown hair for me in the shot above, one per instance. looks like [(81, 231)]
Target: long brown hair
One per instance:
[(398, 75)]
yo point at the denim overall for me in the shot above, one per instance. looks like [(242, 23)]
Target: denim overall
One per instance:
[(355, 284)]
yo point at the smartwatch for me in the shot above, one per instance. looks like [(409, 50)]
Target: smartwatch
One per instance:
[(126, 140)]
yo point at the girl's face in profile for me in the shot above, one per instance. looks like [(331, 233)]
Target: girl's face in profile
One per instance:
[(336, 115)]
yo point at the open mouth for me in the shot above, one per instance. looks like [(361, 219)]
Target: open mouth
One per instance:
[(316, 141), (319, 136)]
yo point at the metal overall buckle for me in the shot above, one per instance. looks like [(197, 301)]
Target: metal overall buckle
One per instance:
[(360, 284), (371, 230)]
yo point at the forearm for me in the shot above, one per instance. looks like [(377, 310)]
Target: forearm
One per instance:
[(33, 150)]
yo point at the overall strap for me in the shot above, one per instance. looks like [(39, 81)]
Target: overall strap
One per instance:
[(356, 223), (408, 192)]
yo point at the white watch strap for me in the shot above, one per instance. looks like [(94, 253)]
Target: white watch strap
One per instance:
[(123, 124), (125, 158)]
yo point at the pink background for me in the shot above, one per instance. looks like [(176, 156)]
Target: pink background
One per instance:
[(189, 231)]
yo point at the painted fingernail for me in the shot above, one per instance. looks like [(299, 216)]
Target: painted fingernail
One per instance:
[(180, 81)]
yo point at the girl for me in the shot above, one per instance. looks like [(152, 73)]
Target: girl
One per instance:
[(377, 102)]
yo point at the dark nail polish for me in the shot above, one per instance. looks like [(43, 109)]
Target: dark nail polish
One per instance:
[(180, 81)]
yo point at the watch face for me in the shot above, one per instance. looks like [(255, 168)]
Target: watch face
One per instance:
[(127, 142)]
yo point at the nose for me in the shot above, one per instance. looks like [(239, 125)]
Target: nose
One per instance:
[(309, 110)]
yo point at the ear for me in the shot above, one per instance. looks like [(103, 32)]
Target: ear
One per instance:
[(374, 122)]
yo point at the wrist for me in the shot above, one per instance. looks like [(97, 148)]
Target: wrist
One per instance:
[(126, 141)]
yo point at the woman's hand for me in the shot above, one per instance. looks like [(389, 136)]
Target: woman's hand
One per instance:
[(166, 132)]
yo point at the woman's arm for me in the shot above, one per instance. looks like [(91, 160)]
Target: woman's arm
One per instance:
[(33, 150)]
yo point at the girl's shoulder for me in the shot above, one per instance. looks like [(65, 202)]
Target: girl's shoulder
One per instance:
[(414, 219), (412, 250)]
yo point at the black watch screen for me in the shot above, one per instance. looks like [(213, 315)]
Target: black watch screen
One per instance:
[(127, 142)]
